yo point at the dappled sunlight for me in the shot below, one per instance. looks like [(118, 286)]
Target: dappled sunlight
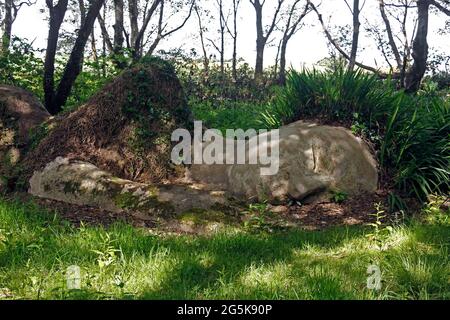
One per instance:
[(146, 153), (270, 277), (125, 263)]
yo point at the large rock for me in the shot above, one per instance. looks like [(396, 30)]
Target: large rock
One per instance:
[(313, 161), (82, 183), (22, 110), (20, 113)]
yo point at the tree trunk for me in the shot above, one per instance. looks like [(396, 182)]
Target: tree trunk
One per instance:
[(261, 38), (355, 40), (260, 42), (94, 47), (290, 29), (234, 63), (222, 42), (235, 38), (82, 20), (57, 14), (336, 45), (136, 42), (159, 35), (202, 41), (416, 73), (133, 12), (73, 67), (106, 39), (392, 43), (282, 73), (7, 26), (118, 26)]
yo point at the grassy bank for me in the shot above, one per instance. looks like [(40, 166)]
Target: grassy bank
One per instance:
[(122, 262)]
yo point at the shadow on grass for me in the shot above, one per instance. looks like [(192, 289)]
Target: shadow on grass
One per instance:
[(293, 264)]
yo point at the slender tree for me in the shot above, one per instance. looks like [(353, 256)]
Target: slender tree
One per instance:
[(336, 44), (54, 100), (108, 44), (234, 35), (355, 10), (202, 29), (118, 26), (262, 36), (57, 13), (293, 23), (417, 71), (7, 25), (163, 31), (220, 47), (11, 10)]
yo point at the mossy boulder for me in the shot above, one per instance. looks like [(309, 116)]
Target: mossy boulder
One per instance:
[(82, 183), (125, 129)]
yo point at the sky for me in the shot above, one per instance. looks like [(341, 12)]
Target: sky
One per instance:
[(307, 47)]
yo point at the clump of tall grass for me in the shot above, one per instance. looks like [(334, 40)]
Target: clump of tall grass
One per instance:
[(416, 144), (330, 95), (413, 131)]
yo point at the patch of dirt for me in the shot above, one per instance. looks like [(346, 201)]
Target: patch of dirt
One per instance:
[(354, 211)]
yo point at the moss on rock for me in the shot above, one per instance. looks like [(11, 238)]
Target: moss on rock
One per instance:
[(125, 128)]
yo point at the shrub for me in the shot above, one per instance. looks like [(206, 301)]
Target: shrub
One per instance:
[(228, 114), (328, 96), (416, 144)]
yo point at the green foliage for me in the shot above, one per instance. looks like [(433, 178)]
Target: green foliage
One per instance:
[(335, 95), (396, 204), (338, 196), (260, 219), (442, 79), (22, 67), (38, 134), (228, 114), (147, 103), (437, 210), (416, 145), (213, 86), (219, 99), (95, 74), (380, 231), (163, 65)]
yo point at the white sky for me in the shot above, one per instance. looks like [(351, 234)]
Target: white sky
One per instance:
[(306, 47)]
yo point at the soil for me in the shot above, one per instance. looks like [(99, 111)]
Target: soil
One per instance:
[(354, 211)]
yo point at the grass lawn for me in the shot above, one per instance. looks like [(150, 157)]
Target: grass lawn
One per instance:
[(122, 262)]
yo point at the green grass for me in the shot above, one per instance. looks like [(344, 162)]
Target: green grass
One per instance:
[(121, 262), (229, 115)]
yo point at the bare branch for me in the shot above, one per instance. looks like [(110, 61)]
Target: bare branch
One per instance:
[(440, 7), (336, 45)]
